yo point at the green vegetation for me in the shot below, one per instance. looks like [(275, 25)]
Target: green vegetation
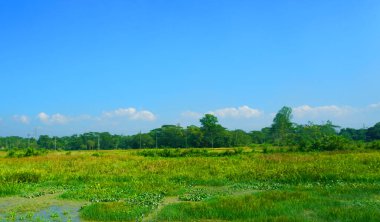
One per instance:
[(134, 208), (339, 202), (128, 186)]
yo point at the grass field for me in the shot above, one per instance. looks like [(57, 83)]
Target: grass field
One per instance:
[(191, 185)]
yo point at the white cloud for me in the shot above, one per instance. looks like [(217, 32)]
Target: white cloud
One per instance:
[(240, 112), (21, 119), (307, 111), (53, 119), (130, 113), (43, 117)]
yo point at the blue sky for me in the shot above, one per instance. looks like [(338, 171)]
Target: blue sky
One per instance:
[(124, 66)]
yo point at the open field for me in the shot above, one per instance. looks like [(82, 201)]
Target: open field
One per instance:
[(191, 185)]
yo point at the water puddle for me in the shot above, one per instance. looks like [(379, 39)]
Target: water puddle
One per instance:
[(52, 213)]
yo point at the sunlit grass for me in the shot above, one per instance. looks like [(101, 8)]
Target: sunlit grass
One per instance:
[(297, 203), (320, 185)]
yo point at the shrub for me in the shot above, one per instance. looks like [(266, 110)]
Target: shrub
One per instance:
[(238, 150), (324, 143), (373, 145), (96, 154), (25, 153), (23, 177)]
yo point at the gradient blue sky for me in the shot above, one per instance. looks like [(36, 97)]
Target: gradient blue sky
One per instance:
[(123, 66)]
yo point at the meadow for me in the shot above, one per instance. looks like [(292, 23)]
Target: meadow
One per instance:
[(241, 184)]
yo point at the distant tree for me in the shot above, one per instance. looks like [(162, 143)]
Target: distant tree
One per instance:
[(75, 142), (329, 128), (257, 137), (194, 136), (143, 140), (240, 138), (282, 126), (106, 141), (211, 128), (125, 142), (353, 134), (373, 133), (169, 136), (91, 144), (319, 137), (44, 141)]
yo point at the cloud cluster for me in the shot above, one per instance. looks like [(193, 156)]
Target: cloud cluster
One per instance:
[(53, 119), (130, 113), (60, 119), (21, 119), (307, 111), (240, 112)]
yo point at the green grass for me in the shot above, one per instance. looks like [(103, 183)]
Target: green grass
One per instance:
[(315, 186), (296, 203), (115, 211), (133, 208)]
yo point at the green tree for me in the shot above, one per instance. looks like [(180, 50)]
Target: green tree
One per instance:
[(257, 137), (240, 138), (319, 137), (282, 127), (169, 136), (44, 141), (354, 134), (211, 129), (143, 140), (91, 144), (373, 133), (194, 136)]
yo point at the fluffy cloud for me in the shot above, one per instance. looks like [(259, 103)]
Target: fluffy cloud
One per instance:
[(53, 119), (21, 119), (130, 113), (240, 112), (307, 111)]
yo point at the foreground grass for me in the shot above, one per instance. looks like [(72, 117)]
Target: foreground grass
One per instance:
[(296, 203), (125, 185)]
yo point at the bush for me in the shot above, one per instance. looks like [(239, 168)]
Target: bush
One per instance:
[(324, 143), (373, 145), (11, 153), (238, 150), (31, 152), (96, 154), (25, 153), (23, 177)]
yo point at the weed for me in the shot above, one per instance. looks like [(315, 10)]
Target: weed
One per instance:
[(197, 194)]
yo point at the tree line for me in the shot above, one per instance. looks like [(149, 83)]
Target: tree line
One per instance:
[(282, 133)]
